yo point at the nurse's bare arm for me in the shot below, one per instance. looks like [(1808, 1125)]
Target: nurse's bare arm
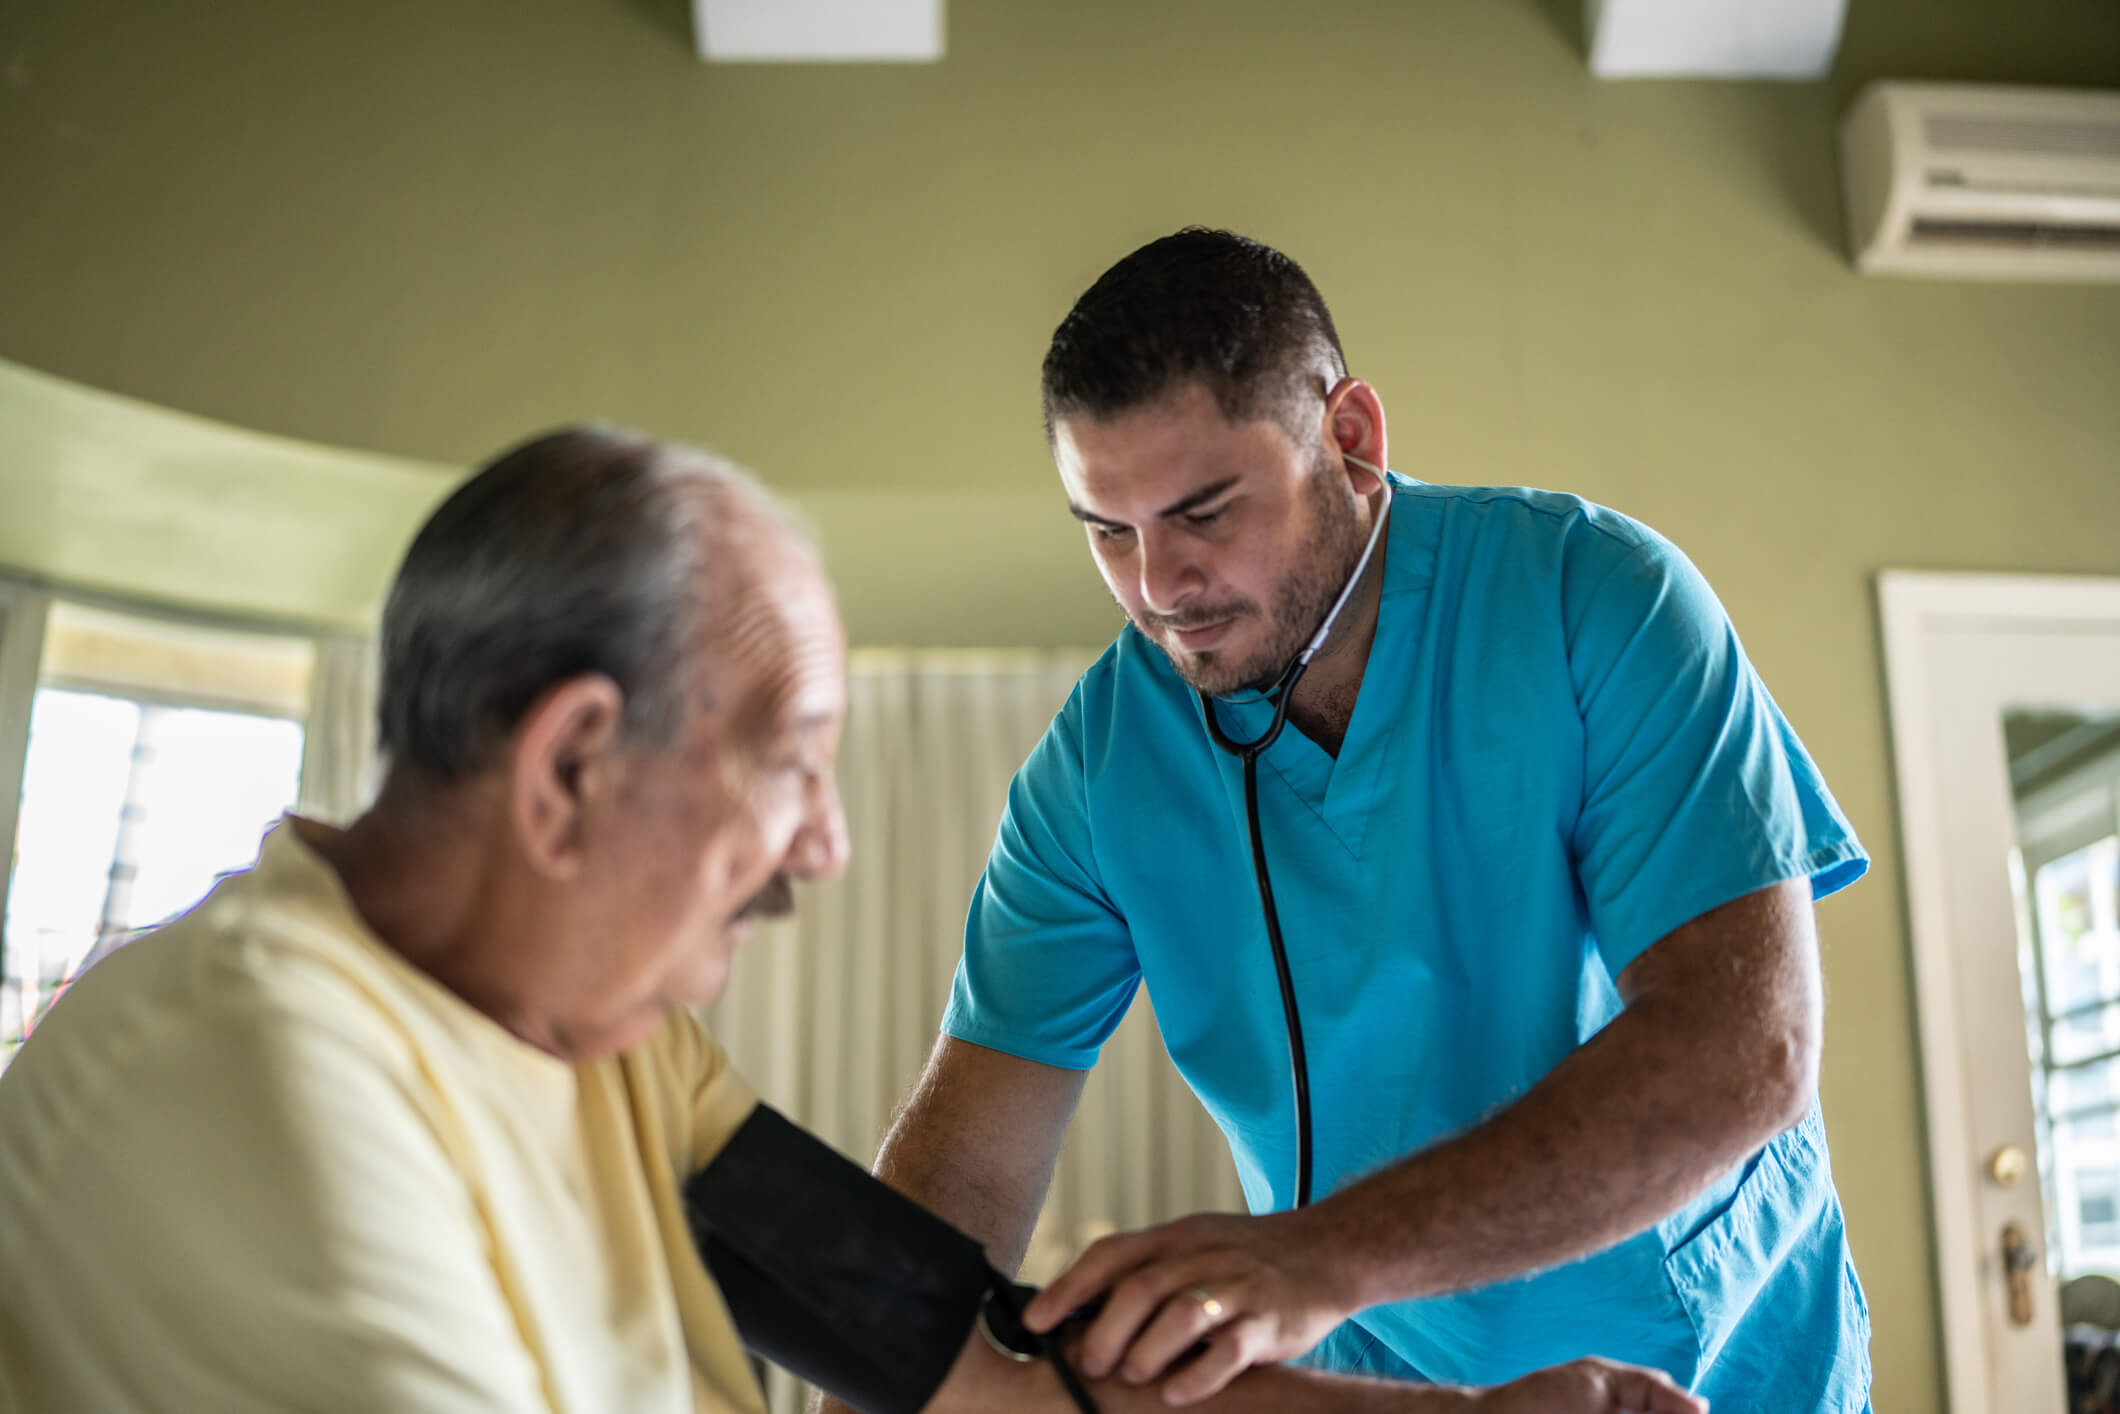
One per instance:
[(977, 1141), (1716, 1052), (982, 1381), (976, 1144)]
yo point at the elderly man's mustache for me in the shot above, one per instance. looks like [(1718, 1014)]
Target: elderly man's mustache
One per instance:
[(775, 900)]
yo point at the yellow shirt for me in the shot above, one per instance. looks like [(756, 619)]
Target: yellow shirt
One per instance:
[(256, 1161)]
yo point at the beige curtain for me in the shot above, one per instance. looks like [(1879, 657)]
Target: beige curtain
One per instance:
[(338, 736), (831, 1015)]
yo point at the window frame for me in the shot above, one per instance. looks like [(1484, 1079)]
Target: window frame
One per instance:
[(23, 611)]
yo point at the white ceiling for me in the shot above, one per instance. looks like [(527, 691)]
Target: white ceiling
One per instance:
[(818, 31), (1719, 39)]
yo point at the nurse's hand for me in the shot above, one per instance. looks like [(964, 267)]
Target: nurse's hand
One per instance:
[(1253, 1290), (1589, 1387)]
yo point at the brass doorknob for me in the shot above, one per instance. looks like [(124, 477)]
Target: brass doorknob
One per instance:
[(2008, 1166)]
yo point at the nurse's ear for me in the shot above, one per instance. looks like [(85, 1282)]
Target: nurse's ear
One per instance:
[(1354, 425)]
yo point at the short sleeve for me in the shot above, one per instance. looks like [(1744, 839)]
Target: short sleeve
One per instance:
[(1696, 790), (1049, 968), (705, 1101)]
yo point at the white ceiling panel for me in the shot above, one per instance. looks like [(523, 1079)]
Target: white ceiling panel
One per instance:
[(819, 31), (1712, 39)]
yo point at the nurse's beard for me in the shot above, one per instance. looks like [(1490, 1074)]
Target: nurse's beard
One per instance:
[(1300, 600)]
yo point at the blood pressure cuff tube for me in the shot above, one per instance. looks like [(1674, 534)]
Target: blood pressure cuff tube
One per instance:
[(830, 1274)]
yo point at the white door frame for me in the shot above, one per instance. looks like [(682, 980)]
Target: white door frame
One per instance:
[(22, 615), (1914, 607)]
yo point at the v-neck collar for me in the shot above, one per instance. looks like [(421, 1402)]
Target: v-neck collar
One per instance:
[(1341, 792)]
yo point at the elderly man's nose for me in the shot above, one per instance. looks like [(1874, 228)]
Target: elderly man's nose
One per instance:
[(821, 847)]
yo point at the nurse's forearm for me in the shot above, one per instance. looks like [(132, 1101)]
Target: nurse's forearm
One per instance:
[(1716, 1053), (977, 1141)]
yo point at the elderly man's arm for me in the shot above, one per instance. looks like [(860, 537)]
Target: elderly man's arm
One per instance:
[(976, 1145), (982, 1381), (1017, 1146), (1716, 1052)]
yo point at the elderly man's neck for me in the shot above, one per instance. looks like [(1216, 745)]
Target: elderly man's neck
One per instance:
[(430, 884)]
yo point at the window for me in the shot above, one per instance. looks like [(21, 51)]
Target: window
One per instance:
[(2075, 932), (158, 755), (2097, 1209)]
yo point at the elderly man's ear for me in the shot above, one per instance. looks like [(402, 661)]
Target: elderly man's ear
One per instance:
[(565, 754)]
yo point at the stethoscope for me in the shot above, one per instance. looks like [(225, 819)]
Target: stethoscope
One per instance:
[(1249, 753)]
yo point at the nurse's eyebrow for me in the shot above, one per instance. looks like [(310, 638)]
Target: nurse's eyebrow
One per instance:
[(1176, 508), (1198, 498), (1090, 517)]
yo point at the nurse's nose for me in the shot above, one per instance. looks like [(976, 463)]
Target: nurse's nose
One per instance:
[(1170, 573)]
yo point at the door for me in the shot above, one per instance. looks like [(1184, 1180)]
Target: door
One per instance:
[(2011, 1023)]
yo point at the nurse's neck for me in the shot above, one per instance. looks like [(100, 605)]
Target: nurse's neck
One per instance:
[(1324, 700)]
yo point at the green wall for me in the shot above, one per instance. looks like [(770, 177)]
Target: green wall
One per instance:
[(425, 228)]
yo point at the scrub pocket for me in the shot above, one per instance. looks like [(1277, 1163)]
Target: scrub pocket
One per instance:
[(1718, 1272)]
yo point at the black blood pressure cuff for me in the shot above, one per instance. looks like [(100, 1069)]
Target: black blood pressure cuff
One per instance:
[(841, 1281)]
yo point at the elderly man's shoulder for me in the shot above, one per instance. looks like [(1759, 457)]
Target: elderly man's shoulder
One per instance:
[(227, 1080), (241, 1002), (252, 956)]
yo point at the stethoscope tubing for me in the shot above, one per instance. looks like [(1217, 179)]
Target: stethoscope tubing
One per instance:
[(1249, 753)]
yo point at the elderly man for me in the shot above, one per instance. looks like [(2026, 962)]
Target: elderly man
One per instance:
[(406, 1117)]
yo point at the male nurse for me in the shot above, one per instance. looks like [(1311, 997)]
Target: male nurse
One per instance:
[(1544, 852)]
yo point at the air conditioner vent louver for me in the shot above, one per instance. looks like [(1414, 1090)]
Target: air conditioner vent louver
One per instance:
[(2021, 234), (1955, 179), (1960, 132), (1976, 181)]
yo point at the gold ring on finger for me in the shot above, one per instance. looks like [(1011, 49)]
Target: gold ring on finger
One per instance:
[(1208, 1305)]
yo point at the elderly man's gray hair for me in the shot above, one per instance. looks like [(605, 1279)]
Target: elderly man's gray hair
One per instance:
[(582, 551)]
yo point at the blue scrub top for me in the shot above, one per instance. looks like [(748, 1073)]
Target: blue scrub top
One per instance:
[(1559, 754)]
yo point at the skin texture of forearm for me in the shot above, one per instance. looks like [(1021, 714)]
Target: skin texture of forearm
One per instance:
[(982, 1381), (1716, 1052), (977, 1142)]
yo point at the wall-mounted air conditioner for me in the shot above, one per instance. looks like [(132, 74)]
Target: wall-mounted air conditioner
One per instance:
[(1976, 181)]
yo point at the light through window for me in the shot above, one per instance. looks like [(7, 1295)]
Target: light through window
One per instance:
[(134, 802)]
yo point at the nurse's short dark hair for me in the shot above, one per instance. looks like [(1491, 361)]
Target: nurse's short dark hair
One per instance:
[(1204, 306), (581, 551)]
